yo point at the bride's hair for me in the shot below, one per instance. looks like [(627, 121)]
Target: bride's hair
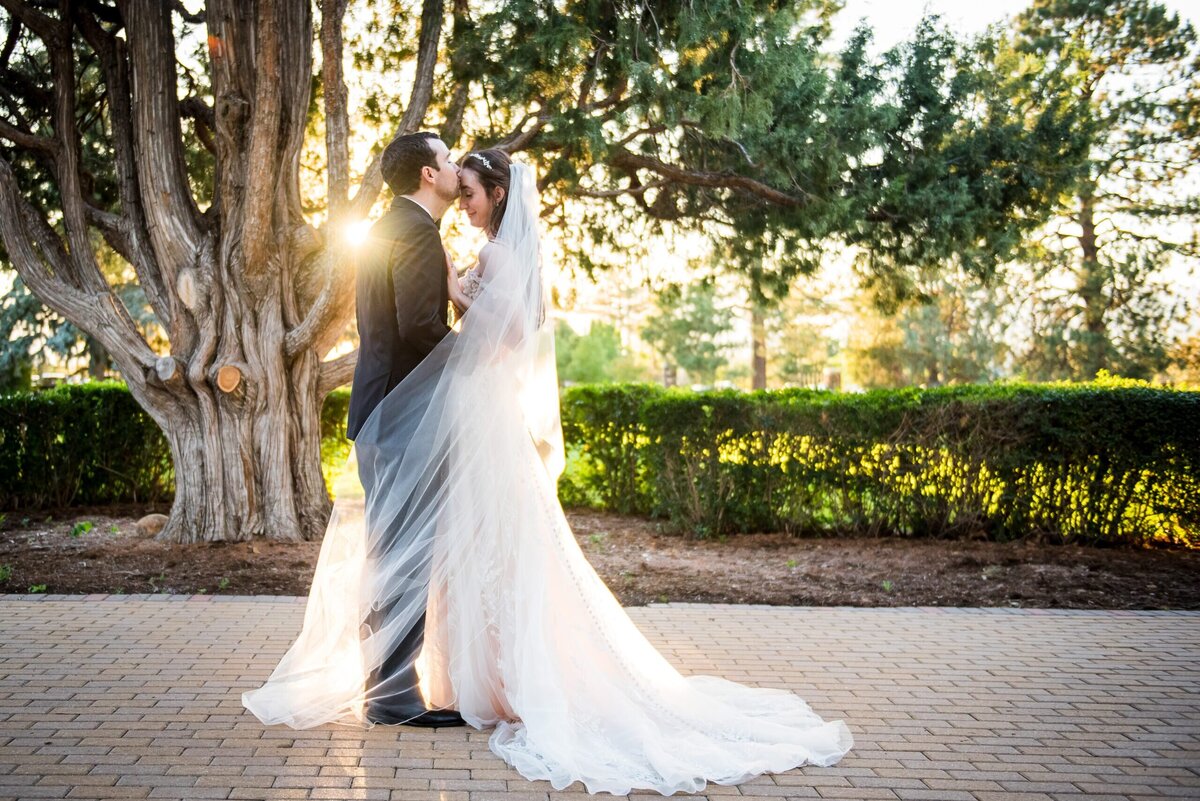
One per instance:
[(492, 168)]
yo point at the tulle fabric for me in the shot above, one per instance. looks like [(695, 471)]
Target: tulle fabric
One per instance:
[(447, 519)]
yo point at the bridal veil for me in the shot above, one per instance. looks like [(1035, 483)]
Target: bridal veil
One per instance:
[(447, 517)]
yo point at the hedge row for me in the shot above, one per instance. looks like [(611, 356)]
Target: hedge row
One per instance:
[(91, 444), (80, 444), (1106, 462)]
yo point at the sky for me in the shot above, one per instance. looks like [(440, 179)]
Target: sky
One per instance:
[(896, 20)]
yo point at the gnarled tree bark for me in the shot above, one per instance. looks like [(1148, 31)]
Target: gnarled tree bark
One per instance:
[(251, 295)]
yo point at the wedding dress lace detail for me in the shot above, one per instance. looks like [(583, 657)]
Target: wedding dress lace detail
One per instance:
[(471, 283)]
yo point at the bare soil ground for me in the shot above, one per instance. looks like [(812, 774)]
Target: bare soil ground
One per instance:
[(59, 553)]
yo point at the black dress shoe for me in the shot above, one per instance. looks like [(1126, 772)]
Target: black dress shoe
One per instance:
[(428, 718)]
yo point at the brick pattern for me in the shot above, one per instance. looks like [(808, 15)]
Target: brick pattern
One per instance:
[(114, 697)]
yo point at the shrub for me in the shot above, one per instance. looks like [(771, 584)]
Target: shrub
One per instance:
[(91, 444), (1104, 462), (1111, 461), (85, 444)]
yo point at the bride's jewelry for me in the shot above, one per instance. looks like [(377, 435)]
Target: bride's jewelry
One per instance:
[(483, 160)]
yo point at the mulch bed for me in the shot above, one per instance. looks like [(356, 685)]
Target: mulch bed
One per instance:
[(640, 563)]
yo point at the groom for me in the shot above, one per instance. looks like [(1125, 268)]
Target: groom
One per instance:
[(402, 314)]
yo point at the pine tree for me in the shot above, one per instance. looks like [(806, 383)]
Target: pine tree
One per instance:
[(1134, 68)]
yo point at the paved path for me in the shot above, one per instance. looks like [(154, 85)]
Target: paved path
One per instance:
[(105, 697)]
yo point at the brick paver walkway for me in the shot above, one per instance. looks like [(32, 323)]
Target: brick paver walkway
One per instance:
[(139, 697)]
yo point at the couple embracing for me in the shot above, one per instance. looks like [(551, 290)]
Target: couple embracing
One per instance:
[(450, 588)]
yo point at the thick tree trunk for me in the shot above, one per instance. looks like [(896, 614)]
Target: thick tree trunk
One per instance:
[(251, 295), (242, 472), (243, 417)]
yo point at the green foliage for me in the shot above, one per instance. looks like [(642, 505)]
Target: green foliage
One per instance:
[(687, 330), (80, 444), (335, 448), (1132, 68), (595, 357), (730, 117), (799, 347), (30, 331), (1112, 461), (955, 334), (605, 435), (91, 444), (1106, 462)]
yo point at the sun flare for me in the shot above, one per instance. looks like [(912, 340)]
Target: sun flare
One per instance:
[(355, 233)]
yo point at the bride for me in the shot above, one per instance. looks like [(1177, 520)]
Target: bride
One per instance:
[(520, 633)]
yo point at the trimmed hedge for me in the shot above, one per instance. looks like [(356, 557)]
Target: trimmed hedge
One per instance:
[(1106, 462), (80, 444), (91, 444)]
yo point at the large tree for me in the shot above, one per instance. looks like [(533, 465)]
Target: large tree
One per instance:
[(1102, 297), (726, 116), (733, 118), (250, 293), (958, 334)]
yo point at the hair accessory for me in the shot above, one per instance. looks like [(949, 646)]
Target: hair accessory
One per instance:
[(483, 159)]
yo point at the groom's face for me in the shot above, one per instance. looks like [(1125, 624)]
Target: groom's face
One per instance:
[(445, 177)]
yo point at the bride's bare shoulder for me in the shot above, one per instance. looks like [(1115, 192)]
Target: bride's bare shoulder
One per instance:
[(486, 253)]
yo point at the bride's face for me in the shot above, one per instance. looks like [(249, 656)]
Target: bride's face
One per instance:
[(473, 200)]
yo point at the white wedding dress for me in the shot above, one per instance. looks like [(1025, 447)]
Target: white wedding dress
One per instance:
[(520, 633)]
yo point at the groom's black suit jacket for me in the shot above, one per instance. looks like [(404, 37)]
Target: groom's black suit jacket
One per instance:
[(402, 303)]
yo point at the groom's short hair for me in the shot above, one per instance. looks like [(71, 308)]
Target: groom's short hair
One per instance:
[(403, 159)]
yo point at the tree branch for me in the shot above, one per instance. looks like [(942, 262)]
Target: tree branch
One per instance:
[(112, 228), (130, 235), (460, 74), (331, 309), (336, 372), (337, 123), (172, 219), (432, 12), (10, 44), (42, 262), (632, 189), (46, 28), (199, 18), (624, 159), (261, 176), (202, 114), (589, 75), (418, 102), (519, 139), (85, 269), (29, 141)]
